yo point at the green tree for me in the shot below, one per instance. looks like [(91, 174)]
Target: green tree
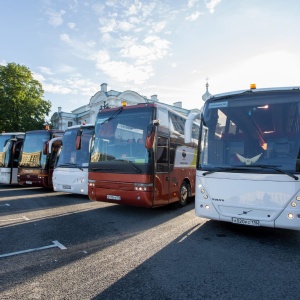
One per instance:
[(21, 105)]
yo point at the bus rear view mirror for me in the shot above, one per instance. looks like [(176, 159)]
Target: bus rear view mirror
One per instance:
[(150, 135), (45, 148), (78, 140)]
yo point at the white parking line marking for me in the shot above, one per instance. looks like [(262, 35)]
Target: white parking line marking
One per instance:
[(50, 194), (22, 218), (55, 244), (6, 204), (19, 189)]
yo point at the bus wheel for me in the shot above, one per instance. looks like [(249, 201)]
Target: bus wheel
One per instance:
[(184, 194)]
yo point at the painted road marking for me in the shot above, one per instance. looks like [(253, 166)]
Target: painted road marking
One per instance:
[(22, 218), (55, 244), (18, 189), (6, 204), (51, 194)]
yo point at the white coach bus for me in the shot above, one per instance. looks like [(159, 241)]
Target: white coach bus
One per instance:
[(248, 162), (71, 171)]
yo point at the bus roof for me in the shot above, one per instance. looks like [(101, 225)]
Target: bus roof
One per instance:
[(12, 133), (235, 93), (45, 130), (80, 126), (148, 104)]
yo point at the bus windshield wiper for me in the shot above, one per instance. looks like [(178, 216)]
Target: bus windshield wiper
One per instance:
[(232, 168), (273, 167), (130, 163), (217, 169), (70, 164), (113, 115)]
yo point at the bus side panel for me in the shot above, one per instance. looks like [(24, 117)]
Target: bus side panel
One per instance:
[(120, 189)]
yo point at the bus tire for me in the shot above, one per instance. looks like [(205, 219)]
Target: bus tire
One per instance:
[(184, 194)]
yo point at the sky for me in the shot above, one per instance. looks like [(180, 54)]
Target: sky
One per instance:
[(168, 48)]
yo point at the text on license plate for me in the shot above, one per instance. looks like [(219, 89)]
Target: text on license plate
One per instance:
[(113, 197), (28, 182), (245, 222), (66, 187)]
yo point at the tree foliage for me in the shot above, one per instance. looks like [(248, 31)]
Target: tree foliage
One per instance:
[(21, 105)]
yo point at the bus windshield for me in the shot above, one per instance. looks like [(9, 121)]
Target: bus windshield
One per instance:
[(257, 134), (32, 154), (5, 147), (70, 157), (120, 136)]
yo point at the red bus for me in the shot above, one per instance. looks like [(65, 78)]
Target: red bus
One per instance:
[(36, 160), (139, 157)]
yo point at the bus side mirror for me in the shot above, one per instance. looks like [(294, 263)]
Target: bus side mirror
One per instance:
[(78, 140), (17, 147), (45, 148), (150, 135)]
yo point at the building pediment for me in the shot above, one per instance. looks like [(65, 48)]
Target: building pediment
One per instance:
[(98, 97)]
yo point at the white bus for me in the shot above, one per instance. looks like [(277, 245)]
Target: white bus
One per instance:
[(10, 147), (71, 171), (248, 162)]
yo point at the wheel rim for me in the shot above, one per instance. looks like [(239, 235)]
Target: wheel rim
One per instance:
[(183, 194)]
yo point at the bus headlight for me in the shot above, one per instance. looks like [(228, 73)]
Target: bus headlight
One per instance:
[(294, 204), (91, 183), (143, 187), (290, 216)]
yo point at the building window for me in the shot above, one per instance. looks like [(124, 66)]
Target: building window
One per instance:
[(70, 124)]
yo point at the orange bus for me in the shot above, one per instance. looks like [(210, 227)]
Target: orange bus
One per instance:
[(139, 157), (37, 161)]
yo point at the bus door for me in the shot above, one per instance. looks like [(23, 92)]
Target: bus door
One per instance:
[(16, 150), (53, 147), (162, 174)]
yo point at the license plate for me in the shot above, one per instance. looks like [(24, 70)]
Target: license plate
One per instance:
[(245, 222), (113, 197), (66, 187), (28, 182)]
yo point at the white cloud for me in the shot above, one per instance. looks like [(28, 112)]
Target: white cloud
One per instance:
[(55, 18), (65, 38), (191, 3), (273, 69), (71, 25), (38, 77), (212, 4), (194, 16), (123, 71), (159, 26), (125, 26), (46, 70), (56, 89), (110, 26)]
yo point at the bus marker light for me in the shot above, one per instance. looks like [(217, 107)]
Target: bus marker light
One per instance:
[(205, 196), (206, 206), (294, 204), (290, 216), (298, 198), (202, 191)]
